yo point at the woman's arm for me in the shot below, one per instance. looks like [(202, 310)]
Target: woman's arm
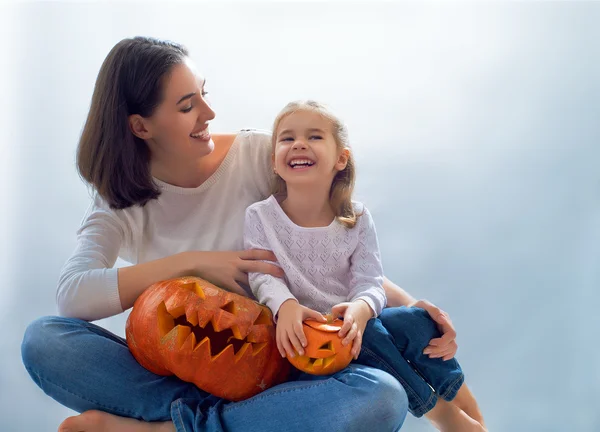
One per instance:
[(396, 296), (90, 288), (443, 347)]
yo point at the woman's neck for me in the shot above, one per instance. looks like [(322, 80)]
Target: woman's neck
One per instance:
[(184, 173), (191, 173), (308, 207)]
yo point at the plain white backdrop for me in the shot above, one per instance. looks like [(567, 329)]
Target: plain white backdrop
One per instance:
[(475, 126)]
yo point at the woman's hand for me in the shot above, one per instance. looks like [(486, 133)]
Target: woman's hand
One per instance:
[(445, 346), (355, 314), (228, 269), (290, 335)]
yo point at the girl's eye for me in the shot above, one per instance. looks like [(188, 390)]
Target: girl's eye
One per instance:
[(316, 137), (187, 110)]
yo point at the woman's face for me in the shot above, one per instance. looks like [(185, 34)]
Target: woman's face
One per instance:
[(178, 128)]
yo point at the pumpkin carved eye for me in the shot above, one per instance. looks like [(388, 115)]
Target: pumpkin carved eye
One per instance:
[(327, 346), (324, 353)]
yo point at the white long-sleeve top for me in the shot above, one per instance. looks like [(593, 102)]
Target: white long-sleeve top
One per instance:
[(323, 266), (209, 217)]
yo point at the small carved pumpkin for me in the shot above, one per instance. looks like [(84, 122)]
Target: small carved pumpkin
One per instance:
[(222, 342), (324, 353)]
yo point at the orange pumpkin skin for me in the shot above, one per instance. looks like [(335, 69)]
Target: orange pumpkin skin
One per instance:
[(324, 353), (222, 342)]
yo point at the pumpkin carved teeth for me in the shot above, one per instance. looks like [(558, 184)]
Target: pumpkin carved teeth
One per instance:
[(229, 307), (195, 288), (185, 326), (263, 318), (258, 347), (314, 364)]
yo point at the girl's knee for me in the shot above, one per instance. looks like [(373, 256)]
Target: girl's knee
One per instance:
[(409, 323)]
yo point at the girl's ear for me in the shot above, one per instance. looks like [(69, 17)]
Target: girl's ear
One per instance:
[(343, 159)]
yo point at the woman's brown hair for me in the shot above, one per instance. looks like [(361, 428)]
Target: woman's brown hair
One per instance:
[(342, 187), (110, 158)]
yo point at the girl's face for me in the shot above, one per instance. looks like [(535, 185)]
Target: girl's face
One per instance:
[(306, 153), (178, 128)]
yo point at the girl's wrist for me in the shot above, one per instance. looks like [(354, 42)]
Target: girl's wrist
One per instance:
[(365, 309)]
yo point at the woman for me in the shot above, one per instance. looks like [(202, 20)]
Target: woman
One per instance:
[(170, 198)]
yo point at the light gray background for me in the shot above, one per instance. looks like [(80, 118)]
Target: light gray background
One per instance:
[(476, 131)]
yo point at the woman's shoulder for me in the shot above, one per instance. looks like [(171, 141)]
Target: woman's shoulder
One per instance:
[(249, 143), (253, 159), (255, 139)]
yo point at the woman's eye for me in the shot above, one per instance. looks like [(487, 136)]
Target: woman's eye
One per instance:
[(287, 139), (187, 110), (204, 93)]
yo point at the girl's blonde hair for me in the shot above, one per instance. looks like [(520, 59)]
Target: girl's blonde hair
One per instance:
[(340, 194)]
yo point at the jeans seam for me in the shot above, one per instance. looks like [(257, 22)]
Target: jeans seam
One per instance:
[(178, 410), (451, 388), (114, 409), (94, 328), (423, 406), (230, 407)]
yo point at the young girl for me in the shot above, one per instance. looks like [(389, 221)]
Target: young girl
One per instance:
[(327, 246)]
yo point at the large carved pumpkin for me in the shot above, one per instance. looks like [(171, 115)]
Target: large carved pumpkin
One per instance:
[(324, 353), (220, 341)]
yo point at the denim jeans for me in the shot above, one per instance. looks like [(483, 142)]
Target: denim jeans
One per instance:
[(84, 367), (394, 342)]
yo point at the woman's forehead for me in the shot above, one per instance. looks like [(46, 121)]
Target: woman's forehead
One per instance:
[(183, 79)]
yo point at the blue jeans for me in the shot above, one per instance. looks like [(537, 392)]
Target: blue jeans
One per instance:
[(84, 367), (394, 342)]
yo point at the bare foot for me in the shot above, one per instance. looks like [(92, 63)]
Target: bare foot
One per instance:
[(466, 401), (447, 417), (99, 421)]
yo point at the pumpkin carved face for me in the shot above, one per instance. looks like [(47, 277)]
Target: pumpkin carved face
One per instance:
[(222, 342), (324, 353)]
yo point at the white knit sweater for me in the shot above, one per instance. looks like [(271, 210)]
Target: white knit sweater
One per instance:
[(323, 266)]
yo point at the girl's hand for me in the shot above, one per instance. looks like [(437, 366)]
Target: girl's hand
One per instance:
[(228, 269), (445, 346), (356, 314), (290, 335)]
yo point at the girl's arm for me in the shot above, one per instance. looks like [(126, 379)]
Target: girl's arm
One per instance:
[(269, 290), (366, 281)]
